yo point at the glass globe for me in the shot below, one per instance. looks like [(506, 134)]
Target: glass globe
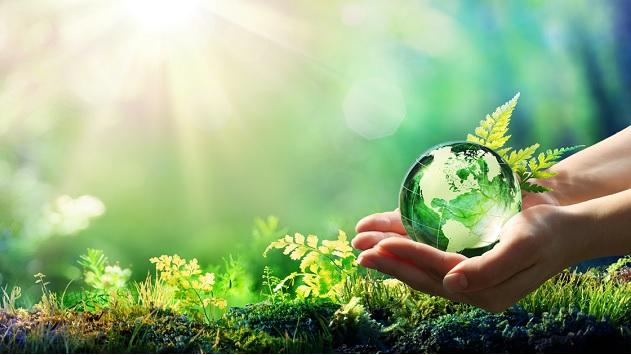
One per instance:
[(457, 196)]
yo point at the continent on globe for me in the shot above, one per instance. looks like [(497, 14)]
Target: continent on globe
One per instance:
[(457, 196)]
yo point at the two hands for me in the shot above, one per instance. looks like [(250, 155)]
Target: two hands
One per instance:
[(531, 250), (587, 215)]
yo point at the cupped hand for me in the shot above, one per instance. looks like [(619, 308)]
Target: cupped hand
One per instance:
[(535, 245)]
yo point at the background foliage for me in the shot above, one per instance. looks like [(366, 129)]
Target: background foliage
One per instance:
[(179, 134)]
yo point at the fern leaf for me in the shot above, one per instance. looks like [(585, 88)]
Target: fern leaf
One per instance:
[(303, 291), (544, 174), (559, 152), (298, 253), (493, 130), (473, 139), (309, 260), (289, 249), (282, 282), (279, 244), (324, 249), (530, 187), (545, 160), (312, 241), (504, 152), (324, 269), (517, 158)]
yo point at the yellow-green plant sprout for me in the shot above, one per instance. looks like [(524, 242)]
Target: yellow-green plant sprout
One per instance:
[(352, 321), (269, 283), (9, 299), (526, 163), (48, 303), (192, 289), (324, 267), (233, 281), (154, 294), (100, 275)]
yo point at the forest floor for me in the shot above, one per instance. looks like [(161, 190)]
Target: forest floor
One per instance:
[(360, 325)]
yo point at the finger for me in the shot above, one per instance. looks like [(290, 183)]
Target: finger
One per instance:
[(532, 199), (424, 256), (506, 259), (498, 298), (382, 222), (366, 240), (404, 271)]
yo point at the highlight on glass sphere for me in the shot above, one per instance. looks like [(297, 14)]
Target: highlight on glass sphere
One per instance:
[(458, 196)]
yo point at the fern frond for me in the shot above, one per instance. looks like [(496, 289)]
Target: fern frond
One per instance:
[(504, 152), (312, 241), (525, 163), (530, 187), (493, 130), (537, 167), (324, 267), (517, 158), (560, 152), (310, 261), (545, 160)]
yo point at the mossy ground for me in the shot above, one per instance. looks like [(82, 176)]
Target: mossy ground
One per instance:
[(367, 324)]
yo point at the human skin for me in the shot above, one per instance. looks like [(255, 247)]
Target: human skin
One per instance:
[(587, 215)]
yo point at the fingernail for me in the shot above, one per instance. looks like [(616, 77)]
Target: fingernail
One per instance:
[(365, 262), (455, 282)]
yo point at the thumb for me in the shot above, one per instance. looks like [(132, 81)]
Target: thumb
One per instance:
[(489, 269)]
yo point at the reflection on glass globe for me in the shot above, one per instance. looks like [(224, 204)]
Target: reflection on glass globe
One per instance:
[(457, 196)]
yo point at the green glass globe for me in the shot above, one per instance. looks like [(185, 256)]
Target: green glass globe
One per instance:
[(457, 196)]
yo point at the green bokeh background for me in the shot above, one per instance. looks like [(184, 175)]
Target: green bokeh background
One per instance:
[(266, 108)]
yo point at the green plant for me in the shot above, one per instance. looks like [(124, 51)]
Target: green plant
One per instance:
[(514, 331), (9, 299), (48, 304), (192, 289), (269, 284), (590, 292), (100, 275), (153, 293), (493, 133), (351, 324), (395, 304), (324, 268), (266, 229), (617, 266), (234, 283)]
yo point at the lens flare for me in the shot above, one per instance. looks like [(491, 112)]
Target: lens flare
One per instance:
[(162, 15)]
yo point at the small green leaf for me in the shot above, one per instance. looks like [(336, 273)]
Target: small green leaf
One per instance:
[(493, 130), (530, 187)]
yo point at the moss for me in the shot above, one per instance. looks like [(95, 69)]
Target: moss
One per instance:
[(283, 318), (564, 330), (299, 327), (351, 325), (569, 313)]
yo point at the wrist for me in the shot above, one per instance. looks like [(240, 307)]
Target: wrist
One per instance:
[(584, 231), (561, 186)]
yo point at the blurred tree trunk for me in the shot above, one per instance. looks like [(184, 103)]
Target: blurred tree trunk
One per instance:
[(611, 107)]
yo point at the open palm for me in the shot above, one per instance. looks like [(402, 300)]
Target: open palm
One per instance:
[(529, 252)]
